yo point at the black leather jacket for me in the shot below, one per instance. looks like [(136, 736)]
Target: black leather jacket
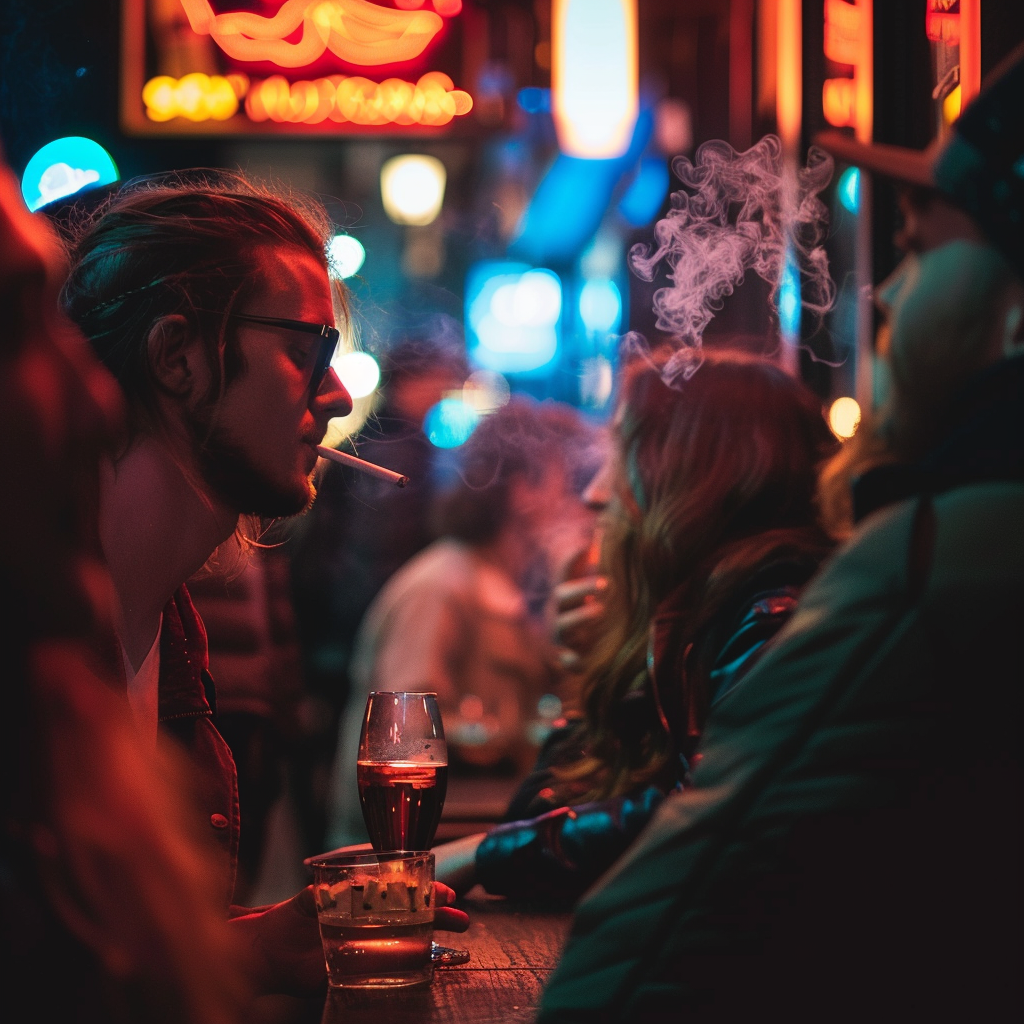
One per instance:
[(555, 853)]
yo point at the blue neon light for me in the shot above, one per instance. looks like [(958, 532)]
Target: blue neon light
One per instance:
[(513, 312), (571, 200), (848, 189), (600, 306), (534, 100), (66, 166), (450, 423), (645, 195), (789, 297)]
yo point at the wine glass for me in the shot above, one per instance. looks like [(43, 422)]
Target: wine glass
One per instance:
[(402, 773)]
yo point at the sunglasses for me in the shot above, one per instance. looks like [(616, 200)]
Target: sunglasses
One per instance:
[(329, 334)]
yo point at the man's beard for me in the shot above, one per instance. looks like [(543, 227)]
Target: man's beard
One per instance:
[(233, 478)]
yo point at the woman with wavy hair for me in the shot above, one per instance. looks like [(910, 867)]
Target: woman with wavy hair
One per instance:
[(710, 531)]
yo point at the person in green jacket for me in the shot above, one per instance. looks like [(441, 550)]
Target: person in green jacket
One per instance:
[(851, 844)]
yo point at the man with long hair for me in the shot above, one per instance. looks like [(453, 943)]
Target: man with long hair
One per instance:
[(209, 300)]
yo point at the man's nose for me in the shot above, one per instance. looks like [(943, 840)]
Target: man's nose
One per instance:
[(332, 399)]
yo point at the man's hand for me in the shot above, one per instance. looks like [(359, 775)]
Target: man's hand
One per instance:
[(281, 944), (281, 947)]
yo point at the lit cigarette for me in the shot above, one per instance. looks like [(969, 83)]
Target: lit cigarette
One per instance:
[(367, 467)]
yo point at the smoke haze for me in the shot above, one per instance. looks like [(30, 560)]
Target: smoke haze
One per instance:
[(736, 212)]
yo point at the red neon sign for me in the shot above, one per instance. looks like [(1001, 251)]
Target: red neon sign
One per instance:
[(356, 31), (842, 31), (310, 65), (942, 22)]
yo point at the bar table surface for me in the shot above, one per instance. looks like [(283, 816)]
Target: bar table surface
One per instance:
[(513, 950)]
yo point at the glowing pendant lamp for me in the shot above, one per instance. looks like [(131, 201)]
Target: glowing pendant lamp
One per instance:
[(594, 97)]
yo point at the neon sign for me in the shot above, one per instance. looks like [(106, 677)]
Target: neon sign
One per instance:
[(842, 31), (357, 31), (942, 22), (197, 96), (847, 100), (842, 46), (433, 100), (241, 71)]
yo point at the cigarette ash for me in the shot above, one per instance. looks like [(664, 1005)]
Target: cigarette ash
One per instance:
[(736, 212)]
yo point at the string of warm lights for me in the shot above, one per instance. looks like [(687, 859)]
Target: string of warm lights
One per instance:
[(432, 100), (197, 97)]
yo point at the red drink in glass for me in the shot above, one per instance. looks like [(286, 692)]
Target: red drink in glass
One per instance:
[(402, 802)]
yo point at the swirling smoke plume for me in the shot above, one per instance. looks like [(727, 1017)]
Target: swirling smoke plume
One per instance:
[(737, 212)]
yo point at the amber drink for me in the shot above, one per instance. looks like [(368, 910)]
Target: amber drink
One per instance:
[(401, 802), (376, 915), (402, 769)]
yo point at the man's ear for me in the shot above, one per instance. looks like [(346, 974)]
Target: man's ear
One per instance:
[(174, 349)]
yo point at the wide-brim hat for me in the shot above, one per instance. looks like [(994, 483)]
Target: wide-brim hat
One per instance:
[(978, 166)]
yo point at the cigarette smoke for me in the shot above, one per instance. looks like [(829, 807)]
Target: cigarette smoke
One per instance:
[(737, 212)]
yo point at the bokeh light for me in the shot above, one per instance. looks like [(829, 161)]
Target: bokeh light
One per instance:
[(600, 306), (347, 255), (951, 105), (597, 377), (431, 100), (673, 126), (848, 189), (594, 91), (486, 391), (359, 372), (63, 167), (789, 297), (512, 316), (450, 423), (412, 188), (534, 100), (844, 417), (196, 96)]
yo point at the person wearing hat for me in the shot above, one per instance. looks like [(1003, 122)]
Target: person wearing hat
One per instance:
[(851, 845)]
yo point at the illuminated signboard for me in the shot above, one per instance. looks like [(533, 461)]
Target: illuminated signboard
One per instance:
[(842, 46), (942, 22), (847, 98), (327, 67)]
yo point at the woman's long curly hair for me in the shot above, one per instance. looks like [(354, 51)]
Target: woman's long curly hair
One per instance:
[(713, 480)]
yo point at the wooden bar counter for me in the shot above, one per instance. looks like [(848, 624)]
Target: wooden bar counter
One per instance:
[(513, 950)]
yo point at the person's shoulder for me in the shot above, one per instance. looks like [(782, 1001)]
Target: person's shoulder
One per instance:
[(980, 525)]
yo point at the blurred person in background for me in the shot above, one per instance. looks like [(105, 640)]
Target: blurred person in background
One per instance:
[(360, 531), (110, 907), (455, 619), (710, 530), (851, 843), (208, 298)]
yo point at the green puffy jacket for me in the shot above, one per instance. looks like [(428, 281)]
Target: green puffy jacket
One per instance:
[(851, 847)]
